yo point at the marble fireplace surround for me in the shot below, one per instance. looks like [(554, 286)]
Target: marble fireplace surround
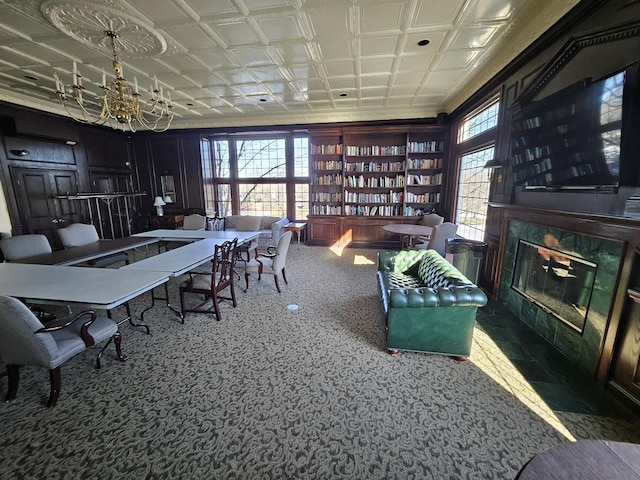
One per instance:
[(583, 349)]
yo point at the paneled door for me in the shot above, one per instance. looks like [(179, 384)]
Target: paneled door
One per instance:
[(40, 211)]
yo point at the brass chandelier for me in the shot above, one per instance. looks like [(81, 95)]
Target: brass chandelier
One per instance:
[(120, 104)]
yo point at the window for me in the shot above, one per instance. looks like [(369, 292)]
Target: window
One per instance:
[(261, 174), (264, 199), (261, 158), (479, 122), (474, 181), (473, 194), (301, 157)]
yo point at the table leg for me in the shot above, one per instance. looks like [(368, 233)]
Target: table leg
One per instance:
[(130, 318), (166, 297)]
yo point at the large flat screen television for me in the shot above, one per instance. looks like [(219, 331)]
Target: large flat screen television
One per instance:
[(571, 139)]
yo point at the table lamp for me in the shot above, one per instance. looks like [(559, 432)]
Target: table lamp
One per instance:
[(159, 203)]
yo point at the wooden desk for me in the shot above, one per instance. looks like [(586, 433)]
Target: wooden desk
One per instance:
[(585, 460), (296, 227), (92, 251)]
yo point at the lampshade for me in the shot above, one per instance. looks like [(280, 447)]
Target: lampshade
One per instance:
[(158, 202), (494, 163), (168, 199)]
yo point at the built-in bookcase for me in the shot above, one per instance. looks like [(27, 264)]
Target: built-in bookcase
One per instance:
[(327, 177), (384, 172), (424, 172)]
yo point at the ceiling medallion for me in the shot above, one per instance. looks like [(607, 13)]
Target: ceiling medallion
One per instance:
[(109, 29), (86, 22)]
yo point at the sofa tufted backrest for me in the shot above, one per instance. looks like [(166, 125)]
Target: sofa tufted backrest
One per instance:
[(434, 271)]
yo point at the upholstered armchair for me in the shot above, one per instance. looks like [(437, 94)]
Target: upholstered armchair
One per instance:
[(270, 263), (80, 234), (438, 238), (23, 246), (24, 340)]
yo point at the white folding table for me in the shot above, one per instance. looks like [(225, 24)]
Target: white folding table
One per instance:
[(97, 288), (188, 235)]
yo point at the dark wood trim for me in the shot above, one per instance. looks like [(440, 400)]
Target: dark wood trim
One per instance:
[(570, 49)]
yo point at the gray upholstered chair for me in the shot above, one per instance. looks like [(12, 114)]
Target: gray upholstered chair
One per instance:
[(438, 238), (270, 263), (24, 340), (210, 284), (23, 246), (428, 220), (194, 222), (80, 234)]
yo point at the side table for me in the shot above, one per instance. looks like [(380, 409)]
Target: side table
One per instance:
[(295, 227)]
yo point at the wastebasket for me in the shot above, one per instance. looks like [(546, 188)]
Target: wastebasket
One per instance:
[(466, 255)]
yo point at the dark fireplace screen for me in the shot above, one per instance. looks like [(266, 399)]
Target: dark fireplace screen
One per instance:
[(558, 282)]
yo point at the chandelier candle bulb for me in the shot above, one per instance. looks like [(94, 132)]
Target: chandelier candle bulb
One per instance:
[(104, 79), (75, 73), (135, 84)]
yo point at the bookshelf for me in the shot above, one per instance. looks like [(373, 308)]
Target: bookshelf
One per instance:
[(423, 173), (326, 189), (361, 177)]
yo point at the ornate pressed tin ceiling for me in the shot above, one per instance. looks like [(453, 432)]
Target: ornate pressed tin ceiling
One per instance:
[(266, 62)]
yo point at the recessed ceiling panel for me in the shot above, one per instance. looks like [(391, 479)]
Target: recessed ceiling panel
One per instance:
[(158, 10), (382, 65), (212, 7), (436, 12), (472, 37), (191, 38), (491, 10), (381, 17), (236, 33), (281, 28), (379, 45), (254, 56)]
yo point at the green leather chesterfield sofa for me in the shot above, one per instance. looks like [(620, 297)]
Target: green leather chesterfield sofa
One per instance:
[(429, 306)]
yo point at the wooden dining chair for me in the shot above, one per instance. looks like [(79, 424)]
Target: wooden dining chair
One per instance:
[(210, 284)]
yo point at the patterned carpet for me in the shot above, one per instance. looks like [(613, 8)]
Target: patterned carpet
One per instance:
[(273, 393)]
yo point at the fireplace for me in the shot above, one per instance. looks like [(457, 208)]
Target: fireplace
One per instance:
[(560, 283)]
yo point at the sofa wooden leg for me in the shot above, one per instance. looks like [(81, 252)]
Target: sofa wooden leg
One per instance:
[(461, 359), (393, 351)]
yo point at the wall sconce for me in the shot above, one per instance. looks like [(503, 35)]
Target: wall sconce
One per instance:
[(159, 203), (21, 152), (493, 165)]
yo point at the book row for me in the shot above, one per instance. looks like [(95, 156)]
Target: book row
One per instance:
[(335, 149), (357, 197), (424, 179), (375, 210), (360, 181), (375, 167), (423, 163), (327, 165), (373, 150), (426, 147)]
